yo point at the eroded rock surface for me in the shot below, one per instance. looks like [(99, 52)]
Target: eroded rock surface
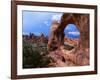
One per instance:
[(80, 54)]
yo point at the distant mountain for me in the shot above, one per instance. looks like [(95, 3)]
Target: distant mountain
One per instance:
[(73, 36), (32, 38)]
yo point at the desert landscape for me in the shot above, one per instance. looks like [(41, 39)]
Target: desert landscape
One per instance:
[(58, 50)]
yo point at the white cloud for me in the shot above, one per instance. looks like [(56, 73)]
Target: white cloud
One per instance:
[(57, 17), (25, 33), (74, 33), (46, 23)]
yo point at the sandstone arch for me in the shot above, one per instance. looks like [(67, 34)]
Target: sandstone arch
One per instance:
[(81, 21), (80, 55)]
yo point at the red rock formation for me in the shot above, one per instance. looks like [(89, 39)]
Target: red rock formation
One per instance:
[(80, 55), (73, 42)]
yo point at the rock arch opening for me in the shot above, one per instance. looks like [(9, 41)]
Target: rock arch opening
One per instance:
[(79, 55), (82, 23), (72, 35)]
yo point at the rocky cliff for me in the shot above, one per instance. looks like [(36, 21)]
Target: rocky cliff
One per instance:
[(80, 54)]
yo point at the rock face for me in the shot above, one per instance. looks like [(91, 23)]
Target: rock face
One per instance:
[(80, 56), (53, 39), (80, 20)]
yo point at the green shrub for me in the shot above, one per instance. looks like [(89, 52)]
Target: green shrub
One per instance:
[(32, 57)]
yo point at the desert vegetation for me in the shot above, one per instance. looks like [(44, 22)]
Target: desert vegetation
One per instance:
[(35, 53)]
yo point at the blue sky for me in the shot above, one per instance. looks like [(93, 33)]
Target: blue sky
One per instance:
[(72, 31), (40, 22)]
